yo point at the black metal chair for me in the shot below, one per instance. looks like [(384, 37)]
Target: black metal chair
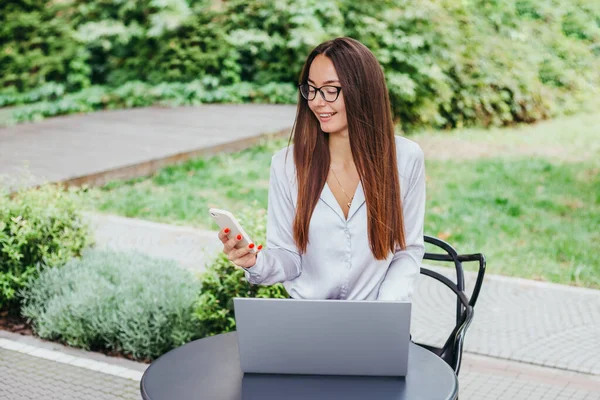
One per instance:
[(451, 351)]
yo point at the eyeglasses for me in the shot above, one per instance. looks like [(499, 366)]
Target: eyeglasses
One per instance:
[(328, 93)]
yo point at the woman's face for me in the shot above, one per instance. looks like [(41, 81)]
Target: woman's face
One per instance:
[(331, 116)]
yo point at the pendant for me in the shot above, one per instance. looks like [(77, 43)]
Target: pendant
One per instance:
[(349, 205)]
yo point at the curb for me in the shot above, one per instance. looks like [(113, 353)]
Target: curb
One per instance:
[(147, 168), (52, 351)]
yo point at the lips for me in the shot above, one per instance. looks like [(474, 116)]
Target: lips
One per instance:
[(324, 117)]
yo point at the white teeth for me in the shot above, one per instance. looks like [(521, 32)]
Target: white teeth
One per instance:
[(326, 115)]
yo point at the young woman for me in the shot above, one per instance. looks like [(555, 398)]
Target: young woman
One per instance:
[(347, 200)]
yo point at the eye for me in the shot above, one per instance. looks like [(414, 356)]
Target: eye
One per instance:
[(331, 91)]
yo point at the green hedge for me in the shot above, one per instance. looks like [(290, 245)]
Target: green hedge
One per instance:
[(140, 94), (39, 229), (37, 46), (447, 63), (124, 302)]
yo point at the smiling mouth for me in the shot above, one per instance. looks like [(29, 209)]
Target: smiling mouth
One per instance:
[(326, 115)]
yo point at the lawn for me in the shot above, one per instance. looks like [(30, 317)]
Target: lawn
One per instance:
[(528, 197)]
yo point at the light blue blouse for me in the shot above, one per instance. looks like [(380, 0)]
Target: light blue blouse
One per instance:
[(338, 262)]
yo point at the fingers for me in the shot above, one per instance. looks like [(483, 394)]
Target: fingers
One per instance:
[(231, 243), (244, 257), (223, 235)]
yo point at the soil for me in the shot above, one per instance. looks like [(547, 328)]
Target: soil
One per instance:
[(19, 325), (15, 324)]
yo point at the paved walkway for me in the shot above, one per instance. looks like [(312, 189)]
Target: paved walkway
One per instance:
[(529, 340), (107, 145), (31, 368)]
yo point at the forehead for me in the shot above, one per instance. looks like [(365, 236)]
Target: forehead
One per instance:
[(322, 71)]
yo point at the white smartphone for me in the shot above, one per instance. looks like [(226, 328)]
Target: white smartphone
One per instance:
[(225, 219)]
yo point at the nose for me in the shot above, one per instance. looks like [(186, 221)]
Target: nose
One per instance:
[(319, 100)]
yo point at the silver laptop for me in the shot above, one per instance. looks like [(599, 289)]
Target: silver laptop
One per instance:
[(323, 337)]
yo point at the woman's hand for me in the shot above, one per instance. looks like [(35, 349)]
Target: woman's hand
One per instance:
[(241, 257)]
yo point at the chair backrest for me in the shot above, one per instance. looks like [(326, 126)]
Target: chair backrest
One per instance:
[(451, 351)]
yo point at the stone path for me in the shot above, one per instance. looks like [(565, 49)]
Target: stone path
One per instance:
[(28, 377), (484, 378), (107, 145), (190, 247), (31, 368)]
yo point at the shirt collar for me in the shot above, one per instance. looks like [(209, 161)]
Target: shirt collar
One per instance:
[(329, 199)]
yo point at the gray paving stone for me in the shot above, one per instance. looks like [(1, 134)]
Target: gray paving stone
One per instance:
[(27, 377), (190, 247), (552, 325), (131, 142)]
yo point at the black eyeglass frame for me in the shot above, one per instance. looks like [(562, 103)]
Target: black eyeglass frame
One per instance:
[(318, 89)]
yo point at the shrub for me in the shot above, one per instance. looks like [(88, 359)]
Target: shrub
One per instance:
[(125, 302), (140, 94), (223, 281), (39, 229), (447, 63), (195, 50), (37, 47)]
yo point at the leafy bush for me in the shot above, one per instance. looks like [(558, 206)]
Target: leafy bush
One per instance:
[(140, 94), (37, 47), (196, 50), (47, 92), (447, 63), (272, 38), (223, 281), (125, 302), (39, 229)]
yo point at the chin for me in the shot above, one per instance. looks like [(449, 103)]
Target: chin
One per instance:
[(329, 128), (332, 130)]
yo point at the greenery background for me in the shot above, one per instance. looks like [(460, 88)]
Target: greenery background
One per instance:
[(447, 63)]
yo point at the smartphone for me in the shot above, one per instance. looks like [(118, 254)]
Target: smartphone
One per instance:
[(225, 219)]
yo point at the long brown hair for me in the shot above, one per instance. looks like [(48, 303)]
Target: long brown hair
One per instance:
[(371, 133)]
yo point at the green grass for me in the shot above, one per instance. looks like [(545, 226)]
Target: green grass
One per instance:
[(531, 217), (535, 215), (182, 194), (572, 138)]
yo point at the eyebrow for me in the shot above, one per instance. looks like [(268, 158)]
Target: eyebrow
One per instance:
[(326, 82)]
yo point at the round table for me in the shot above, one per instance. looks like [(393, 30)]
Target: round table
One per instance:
[(209, 369)]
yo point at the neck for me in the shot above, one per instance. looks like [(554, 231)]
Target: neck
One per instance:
[(339, 149)]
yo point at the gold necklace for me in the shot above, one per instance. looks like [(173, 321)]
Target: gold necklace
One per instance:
[(341, 187)]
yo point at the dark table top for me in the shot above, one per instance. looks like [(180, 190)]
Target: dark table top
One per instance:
[(209, 368)]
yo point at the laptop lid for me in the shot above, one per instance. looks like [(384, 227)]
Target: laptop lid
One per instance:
[(323, 337)]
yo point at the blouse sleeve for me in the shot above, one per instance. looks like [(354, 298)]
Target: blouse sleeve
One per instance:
[(406, 264), (280, 261)]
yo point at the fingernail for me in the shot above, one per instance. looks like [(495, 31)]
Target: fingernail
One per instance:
[(251, 245), (239, 237), (226, 230), (259, 247)]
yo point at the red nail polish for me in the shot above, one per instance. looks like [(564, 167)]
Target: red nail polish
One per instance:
[(251, 245), (226, 230), (259, 247), (239, 237)]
